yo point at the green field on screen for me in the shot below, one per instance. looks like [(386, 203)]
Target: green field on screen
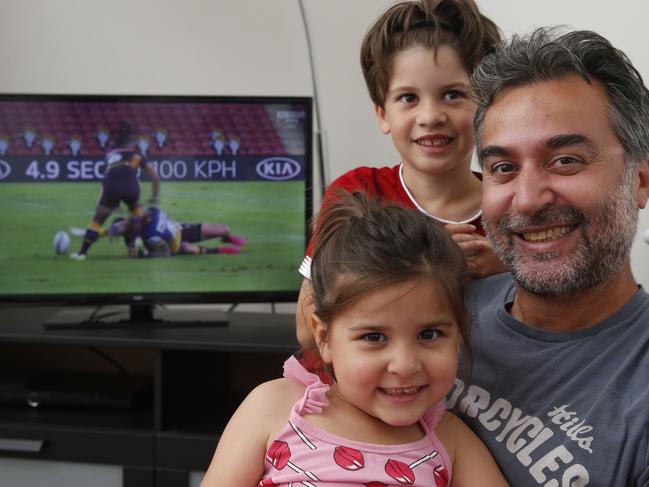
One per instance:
[(269, 215)]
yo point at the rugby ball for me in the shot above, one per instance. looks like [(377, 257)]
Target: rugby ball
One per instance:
[(61, 242)]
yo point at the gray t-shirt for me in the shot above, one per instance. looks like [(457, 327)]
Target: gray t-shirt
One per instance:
[(559, 408)]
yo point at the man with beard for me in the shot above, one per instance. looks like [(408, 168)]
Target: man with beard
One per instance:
[(559, 389)]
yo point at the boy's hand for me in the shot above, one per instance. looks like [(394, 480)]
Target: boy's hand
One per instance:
[(480, 257)]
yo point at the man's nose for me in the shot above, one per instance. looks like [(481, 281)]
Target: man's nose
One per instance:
[(533, 190)]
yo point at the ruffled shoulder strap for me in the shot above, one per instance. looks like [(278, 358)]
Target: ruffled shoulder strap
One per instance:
[(315, 394), (433, 415)]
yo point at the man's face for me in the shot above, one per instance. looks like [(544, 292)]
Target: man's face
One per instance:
[(557, 206)]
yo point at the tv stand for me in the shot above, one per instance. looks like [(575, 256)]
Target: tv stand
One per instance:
[(197, 377), (136, 315)]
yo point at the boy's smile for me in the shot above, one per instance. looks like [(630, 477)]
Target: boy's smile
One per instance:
[(436, 143)]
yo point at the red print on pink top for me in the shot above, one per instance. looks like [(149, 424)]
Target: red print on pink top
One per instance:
[(348, 458)]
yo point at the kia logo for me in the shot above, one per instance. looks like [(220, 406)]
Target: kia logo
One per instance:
[(5, 169), (278, 168)]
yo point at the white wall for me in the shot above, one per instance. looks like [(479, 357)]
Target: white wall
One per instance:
[(257, 47)]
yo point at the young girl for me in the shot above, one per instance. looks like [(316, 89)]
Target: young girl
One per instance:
[(416, 59), (388, 323)]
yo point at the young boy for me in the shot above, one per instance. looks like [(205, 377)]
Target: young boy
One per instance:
[(416, 59)]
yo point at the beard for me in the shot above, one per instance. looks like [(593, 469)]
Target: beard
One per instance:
[(603, 248)]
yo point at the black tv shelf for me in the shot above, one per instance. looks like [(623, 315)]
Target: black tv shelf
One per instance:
[(193, 377)]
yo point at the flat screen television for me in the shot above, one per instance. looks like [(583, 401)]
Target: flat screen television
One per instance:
[(244, 162)]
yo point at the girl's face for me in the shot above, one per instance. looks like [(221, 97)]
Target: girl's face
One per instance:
[(428, 111), (394, 352)]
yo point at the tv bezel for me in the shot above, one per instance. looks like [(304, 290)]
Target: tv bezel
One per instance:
[(145, 299)]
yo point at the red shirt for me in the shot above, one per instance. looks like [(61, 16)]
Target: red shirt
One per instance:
[(386, 182)]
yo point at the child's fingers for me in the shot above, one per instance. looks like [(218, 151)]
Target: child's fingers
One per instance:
[(462, 237), (457, 228), (471, 247)]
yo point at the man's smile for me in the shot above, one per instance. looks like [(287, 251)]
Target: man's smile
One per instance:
[(548, 234)]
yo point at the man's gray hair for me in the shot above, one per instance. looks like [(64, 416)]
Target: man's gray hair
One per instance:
[(548, 54)]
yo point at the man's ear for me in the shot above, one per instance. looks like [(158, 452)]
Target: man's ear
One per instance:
[(321, 336), (642, 189), (383, 121)]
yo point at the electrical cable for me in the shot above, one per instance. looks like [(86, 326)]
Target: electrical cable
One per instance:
[(316, 104), (109, 359), (93, 315), (96, 317)]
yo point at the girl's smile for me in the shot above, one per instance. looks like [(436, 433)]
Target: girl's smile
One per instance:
[(402, 395)]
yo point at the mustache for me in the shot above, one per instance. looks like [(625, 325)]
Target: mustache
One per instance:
[(515, 222)]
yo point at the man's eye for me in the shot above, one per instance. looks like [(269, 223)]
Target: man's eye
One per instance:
[(567, 165), (408, 98), (565, 161), (374, 337), (502, 168), (429, 335)]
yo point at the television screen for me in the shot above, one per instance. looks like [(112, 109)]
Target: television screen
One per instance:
[(229, 224)]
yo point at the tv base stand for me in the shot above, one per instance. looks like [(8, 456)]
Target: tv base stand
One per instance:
[(146, 316)]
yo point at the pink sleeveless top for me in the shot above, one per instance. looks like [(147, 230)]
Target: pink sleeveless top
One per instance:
[(305, 455)]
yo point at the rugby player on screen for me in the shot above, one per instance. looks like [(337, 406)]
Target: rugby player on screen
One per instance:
[(162, 236), (120, 184)]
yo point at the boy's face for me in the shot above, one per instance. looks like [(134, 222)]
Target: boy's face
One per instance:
[(428, 111)]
